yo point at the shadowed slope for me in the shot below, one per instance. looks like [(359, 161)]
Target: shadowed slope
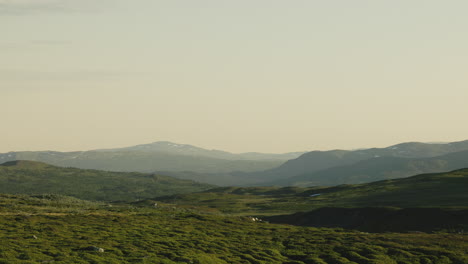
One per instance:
[(443, 190)]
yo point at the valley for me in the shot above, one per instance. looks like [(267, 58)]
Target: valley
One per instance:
[(233, 132), (72, 215)]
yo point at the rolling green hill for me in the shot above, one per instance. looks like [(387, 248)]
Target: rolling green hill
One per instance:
[(215, 225), (440, 190), (421, 203), (426, 203), (29, 177), (59, 229)]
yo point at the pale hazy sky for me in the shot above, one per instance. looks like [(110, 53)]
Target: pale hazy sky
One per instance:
[(238, 75)]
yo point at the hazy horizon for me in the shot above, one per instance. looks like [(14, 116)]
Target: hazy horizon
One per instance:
[(218, 149), (240, 76)]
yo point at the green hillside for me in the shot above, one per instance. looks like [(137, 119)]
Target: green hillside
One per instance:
[(421, 203), (216, 225), (442, 190), (58, 229), (28, 177)]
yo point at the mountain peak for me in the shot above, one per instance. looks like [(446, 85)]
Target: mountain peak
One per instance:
[(162, 146)]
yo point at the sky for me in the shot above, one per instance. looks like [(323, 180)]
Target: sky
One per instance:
[(245, 75)]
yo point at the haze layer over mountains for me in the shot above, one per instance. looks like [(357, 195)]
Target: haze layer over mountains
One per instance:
[(254, 169), (158, 156)]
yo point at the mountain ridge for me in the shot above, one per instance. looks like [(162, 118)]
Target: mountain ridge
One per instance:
[(379, 168), (316, 161), (187, 149), (224, 168)]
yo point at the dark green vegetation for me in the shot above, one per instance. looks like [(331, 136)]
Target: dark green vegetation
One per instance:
[(430, 202), (59, 229), (28, 177), (216, 225), (443, 190), (381, 219), (48, 204), (440, 194), (159, 156)]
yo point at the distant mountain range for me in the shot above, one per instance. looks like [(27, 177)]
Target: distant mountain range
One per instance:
[(379, 168), (359, 166), (347, 166), (189, 150), (320, 160), (158, 156), (258, 169)]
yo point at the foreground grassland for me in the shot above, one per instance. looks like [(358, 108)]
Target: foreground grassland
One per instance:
[(215, 226), (46, 229)]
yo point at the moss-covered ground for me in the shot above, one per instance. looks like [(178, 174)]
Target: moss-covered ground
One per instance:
[(56, 229)]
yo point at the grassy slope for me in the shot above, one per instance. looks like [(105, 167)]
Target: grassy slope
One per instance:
[(64, 230), (444, 190), (26, 177)]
